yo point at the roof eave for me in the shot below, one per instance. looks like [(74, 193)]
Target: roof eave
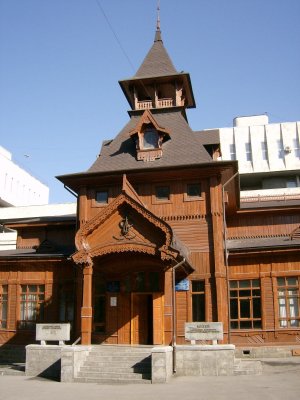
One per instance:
[(71, 179)]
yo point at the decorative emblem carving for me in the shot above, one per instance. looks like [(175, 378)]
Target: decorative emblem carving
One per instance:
[(126, 232)]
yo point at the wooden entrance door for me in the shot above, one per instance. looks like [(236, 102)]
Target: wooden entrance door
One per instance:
[(142, 319)]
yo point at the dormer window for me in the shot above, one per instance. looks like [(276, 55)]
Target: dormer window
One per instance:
[(149, 137)]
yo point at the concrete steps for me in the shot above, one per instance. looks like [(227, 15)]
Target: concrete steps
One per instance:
[(12, 369), (110, 364), (247, 367)]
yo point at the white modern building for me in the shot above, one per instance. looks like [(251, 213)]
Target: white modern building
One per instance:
[(268, 156), (18, 187)]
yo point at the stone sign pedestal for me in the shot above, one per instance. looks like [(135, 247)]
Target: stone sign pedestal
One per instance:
[(206, 360), (45, 360)]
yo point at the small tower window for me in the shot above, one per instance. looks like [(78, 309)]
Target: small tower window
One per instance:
[(150, 139)]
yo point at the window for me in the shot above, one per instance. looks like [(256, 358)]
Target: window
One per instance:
[(102, 196), (280, 149), (193, 190), (296, 147), (232, 151), (198, 300), (248, 151), (288, 302), (264, 151), (291, 183), (32, 305), (66, 303), (150, 139), (3, 306), (99, 307), (245, 304), (162, 193)]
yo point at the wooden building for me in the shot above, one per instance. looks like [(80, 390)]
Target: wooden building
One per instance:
[(161, 238)]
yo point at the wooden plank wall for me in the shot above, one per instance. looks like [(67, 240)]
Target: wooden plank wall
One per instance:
[(48, 273), (255, 225), (266, 268)]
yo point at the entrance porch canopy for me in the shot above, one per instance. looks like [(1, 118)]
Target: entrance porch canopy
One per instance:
[(125, 225)]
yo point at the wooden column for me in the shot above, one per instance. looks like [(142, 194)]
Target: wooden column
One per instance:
[(218, 246), (168, 307), (86, 309)]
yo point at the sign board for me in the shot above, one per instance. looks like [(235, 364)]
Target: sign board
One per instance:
[(203, 331), (113, 302), (52, 332), (182, 286)]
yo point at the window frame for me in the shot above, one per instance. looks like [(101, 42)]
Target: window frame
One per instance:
[(147, 146), (287, 287), (197, 293), (3, 305), (187, 197), (93, 195), (156, 200), (252, 319), (29, 324)]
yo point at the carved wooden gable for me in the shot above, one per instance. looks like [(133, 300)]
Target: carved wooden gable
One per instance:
[(124, 226)]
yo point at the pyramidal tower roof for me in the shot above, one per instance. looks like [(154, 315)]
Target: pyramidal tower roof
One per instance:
[(157, 61)]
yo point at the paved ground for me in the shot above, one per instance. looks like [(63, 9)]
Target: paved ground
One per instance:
[(279, 381)]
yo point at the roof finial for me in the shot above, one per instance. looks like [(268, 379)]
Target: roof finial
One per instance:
[(158, 33), (158, 16)]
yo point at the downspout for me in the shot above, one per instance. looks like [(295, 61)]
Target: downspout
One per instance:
[(174, 313), (226, 253)]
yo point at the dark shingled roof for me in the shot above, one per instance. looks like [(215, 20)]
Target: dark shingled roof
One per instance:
[(157, 62), (183, 148), (265, 243), (209, 136)]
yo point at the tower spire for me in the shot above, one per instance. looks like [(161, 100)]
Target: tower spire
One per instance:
[(158, 32), (158, 16)]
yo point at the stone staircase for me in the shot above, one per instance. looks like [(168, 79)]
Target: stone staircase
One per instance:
[(109, 364)]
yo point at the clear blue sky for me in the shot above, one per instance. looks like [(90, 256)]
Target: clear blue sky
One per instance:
[(60, 64)]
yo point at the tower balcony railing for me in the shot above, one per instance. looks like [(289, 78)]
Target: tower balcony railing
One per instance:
[(144, 105), (161, 103)]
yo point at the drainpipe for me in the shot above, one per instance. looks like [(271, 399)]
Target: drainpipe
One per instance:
[(174, 313), (226, 253)]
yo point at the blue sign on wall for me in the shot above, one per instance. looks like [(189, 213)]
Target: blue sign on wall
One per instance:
[(182, 286)]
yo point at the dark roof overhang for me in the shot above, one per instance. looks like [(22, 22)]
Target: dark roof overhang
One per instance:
[(262, 246), (53, 220), (32, 254), (183, 77)]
